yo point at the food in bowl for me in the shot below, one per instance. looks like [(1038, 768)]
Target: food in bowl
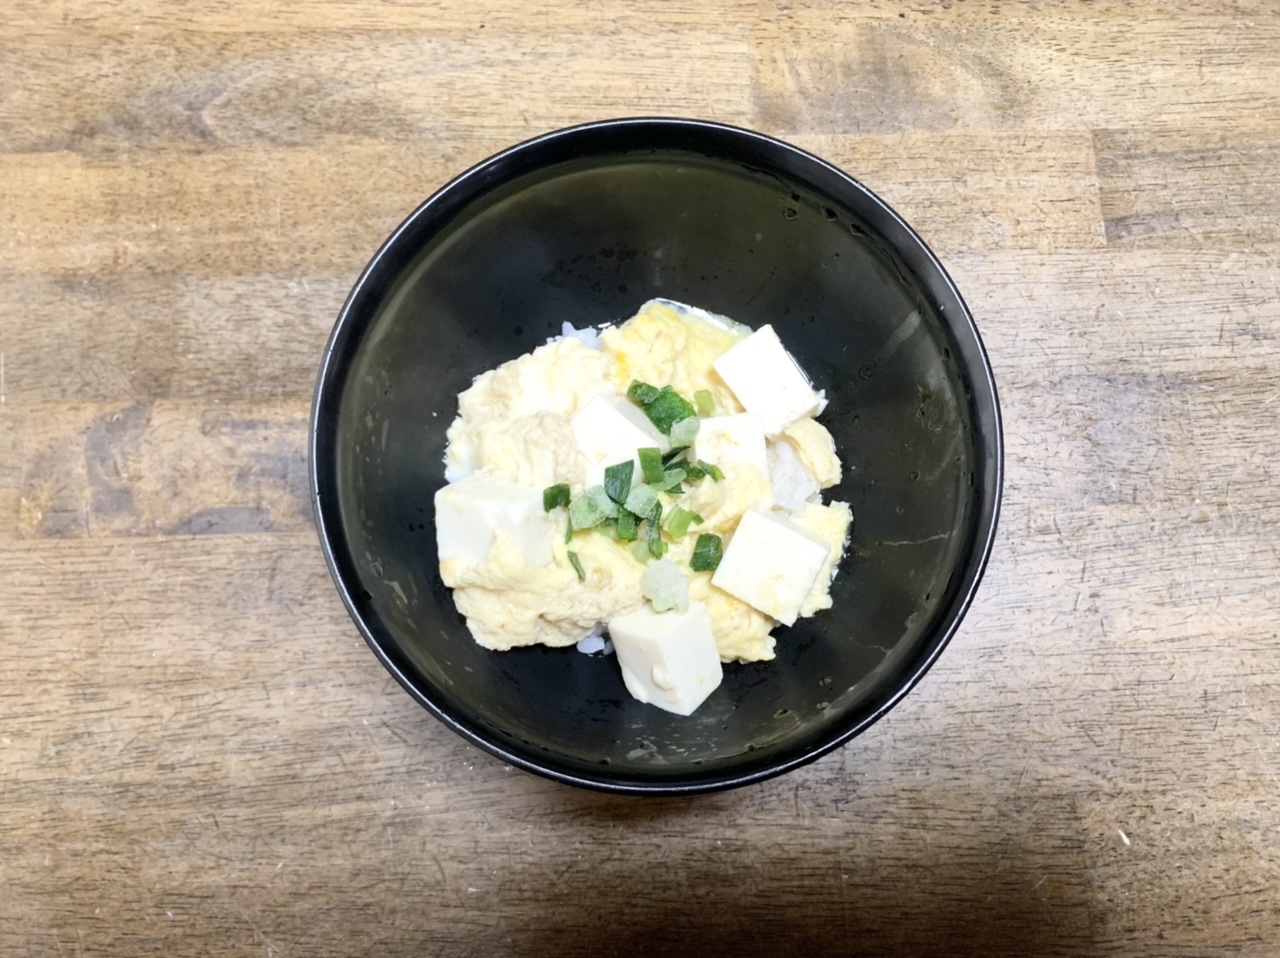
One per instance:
[(577, 225), (661, 480)]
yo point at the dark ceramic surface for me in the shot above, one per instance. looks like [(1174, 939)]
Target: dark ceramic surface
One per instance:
[(585, 225)]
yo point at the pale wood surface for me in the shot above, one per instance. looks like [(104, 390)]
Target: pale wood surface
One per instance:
[(198, 755)]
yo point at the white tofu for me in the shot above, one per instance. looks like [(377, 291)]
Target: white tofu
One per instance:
[(470, 512), (771, 564), (609, 430), (768, 382), (668, 659), (737, 440)]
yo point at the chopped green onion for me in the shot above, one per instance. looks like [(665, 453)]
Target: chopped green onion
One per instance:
[(712, 471), (617, 480), (642, 393), (665, 586), (583, 516), (694, 472), (643, 501), (627, 523), (591, 508), (707, 552), (657, 547), (600, 499), (678, 521), (670, 478), (577, 566), (555, 496), (705, 402), (650, 463), (684, 431), (640, 551), (676, 490), (673, 455), (668, 408)]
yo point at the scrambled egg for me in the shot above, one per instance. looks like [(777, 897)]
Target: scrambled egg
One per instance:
[(667, 346), (509, 603), (514, 422)]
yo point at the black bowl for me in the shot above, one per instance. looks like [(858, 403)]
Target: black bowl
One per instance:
[(584, 225)]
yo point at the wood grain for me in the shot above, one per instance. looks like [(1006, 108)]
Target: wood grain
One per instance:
[(198, 755)]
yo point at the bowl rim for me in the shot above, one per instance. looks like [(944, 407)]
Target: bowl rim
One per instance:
[(492, 172)]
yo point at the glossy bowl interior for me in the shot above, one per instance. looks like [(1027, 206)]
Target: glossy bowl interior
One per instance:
[(583, 226)]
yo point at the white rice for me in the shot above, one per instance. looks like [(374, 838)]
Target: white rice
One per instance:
[(588, 335), (595, 643)]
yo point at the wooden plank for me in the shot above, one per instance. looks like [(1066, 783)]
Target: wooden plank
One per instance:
[(12, 430), (135, 337), (1181, 187), (834, 67), (173, 17), (142, 90), (1172, 905), (165, 468), (306, 209), (1174, 310)]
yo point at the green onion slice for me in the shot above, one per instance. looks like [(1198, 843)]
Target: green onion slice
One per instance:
[(670, 479), (665, 586), (627, 525), (650, 463), (668, 408), (617, 480), (712, 471), (707, 553), (684, 431), (673, 455), (657, 546), (642, 393), (591, 508), (644, 502), (678, 521), (553, 497)]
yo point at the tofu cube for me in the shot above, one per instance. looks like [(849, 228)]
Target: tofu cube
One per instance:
[(470, 512), (609, 430), (767, 381), (771, 564), (668, 659), (736, 440)]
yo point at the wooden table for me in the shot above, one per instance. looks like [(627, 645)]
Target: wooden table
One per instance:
[(199, 756)]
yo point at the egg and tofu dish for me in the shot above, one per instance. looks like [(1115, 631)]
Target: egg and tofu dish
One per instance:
[(660, 479)]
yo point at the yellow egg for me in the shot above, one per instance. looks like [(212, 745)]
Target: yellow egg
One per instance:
[(831, 524), (668, 346)]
